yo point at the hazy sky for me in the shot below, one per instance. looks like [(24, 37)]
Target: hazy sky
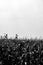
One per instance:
[(23, 17)]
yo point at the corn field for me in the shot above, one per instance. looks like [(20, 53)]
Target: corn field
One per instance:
[(21, 52)]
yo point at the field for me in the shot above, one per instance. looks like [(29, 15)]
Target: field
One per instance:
[(21, 52)]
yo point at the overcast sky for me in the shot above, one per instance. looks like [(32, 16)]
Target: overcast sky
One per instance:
[(23, 17)]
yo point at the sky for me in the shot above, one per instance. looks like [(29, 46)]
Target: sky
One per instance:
[(22, 17)]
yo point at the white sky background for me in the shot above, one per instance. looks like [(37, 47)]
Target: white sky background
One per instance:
[(23, 17)]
